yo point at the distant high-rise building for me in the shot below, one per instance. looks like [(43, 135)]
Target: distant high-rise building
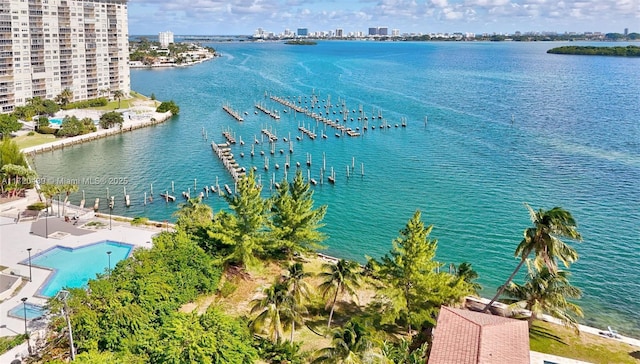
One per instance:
[(395, 32), (626, 31), (373, 31), (383, 31), (339, 33), (303, 32), (165, 38), (53, 45)]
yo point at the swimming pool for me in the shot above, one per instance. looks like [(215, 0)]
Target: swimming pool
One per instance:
[(58, 122), (73, 267), (33, 311)]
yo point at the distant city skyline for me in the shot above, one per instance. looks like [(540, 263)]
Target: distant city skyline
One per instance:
[(243, 17)]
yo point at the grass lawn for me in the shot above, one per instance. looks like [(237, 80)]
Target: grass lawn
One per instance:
[(9, 342), (123, 103), (25, 141), (558, 340)]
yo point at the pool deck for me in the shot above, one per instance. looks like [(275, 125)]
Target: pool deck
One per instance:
[(16, 238)]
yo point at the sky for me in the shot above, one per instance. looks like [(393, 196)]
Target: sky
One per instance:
[(243, 17)]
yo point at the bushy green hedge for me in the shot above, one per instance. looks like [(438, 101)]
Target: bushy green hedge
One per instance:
[(37, 206), (47, 130), (169, 106), (101, 101)]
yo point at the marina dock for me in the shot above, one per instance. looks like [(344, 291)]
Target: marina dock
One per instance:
[(223, 151), (233, 113)]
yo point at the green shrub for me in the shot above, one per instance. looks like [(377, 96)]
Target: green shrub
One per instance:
[(9, 342), (101, 101), (227, 289), (47, 130), (139, 220), (37, 206), (31, 133), (169, 106), (43, 121), (110, 119)]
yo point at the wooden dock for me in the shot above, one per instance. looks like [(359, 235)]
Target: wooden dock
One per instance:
[(223, 152), (236, 115), (230, 139), (274, 114)]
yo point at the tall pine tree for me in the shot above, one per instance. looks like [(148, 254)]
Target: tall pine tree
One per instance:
[(295, 221), (245, 230), (413, 286)]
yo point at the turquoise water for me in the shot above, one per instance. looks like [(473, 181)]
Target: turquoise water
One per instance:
[(32, 311), (507, 124), (55, 121), (72, 268)]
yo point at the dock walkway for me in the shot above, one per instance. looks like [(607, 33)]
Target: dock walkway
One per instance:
[(223, 152)]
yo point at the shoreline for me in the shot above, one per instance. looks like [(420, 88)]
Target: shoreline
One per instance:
[(127, 125)]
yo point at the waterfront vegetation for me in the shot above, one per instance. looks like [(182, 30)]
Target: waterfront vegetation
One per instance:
[(169, 106), (301, 42), (110, 119), (192, 297), (71, 126), (14, 172), (628, 51), (40, 110), (151, 52)]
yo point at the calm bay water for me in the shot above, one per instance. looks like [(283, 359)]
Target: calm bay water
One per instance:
[(507, 124)]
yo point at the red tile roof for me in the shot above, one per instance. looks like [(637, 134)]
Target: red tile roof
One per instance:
[(468, 337)]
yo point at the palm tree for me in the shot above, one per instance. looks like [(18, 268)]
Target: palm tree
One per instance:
[(118, 94), (338, 278), (348, 345), (67, 188), (466, 272), (547, 292), (275, 311), (543, 239), (298, 290), (64, 97), (49, 190)]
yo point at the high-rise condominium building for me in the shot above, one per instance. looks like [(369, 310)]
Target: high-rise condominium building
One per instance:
[(165, 38), (47, 46)]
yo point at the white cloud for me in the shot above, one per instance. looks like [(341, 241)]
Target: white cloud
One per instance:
[(244, 16)]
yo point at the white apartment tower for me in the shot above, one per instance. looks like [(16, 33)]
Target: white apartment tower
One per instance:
[(165, 38), (47, 46)]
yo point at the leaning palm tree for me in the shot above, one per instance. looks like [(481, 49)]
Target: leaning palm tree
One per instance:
[(118, 94), (547, 292), (298, 290), (274, 312), (543, 239), (338, 278)]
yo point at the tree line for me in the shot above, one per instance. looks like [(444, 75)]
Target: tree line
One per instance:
[(133, 313), (628, 51)]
